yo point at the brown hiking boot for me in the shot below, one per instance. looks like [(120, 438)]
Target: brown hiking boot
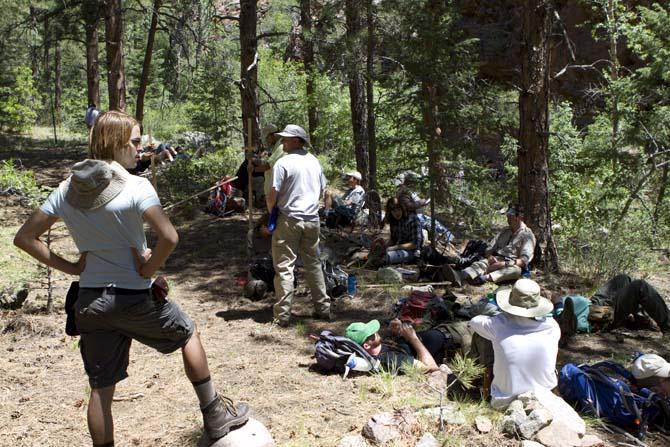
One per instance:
[(222, 415)]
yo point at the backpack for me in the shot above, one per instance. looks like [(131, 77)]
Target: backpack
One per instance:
[(603, 390), (333, 352), (263, 269), (474, 251), (424, 307), (335, 279), (218, 199)]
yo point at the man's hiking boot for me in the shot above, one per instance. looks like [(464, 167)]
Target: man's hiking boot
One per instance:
[(452, 275), (280, 323), (567, 321), (222, 415)]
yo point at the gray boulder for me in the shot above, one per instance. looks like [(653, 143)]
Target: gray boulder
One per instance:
[(559, 434), (251, 434), (536, 421), (428, 440), (389, 275), (483, 424), (385, 427), (353, 441)]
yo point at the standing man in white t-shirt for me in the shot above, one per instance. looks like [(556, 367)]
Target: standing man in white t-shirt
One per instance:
[(297, 185), (525, 342)]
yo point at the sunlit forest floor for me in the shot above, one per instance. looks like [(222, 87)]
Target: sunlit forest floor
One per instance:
[(43, 388)]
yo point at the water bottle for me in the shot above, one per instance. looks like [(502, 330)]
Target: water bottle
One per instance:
[(272, 222), (351, 285), (355, 363)]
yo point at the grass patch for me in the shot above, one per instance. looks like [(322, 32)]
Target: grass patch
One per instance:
[(17, 267), (21, 181)]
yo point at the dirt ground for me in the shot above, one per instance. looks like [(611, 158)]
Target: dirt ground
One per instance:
[(44, 392)]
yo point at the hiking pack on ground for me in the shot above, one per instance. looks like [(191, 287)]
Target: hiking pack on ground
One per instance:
[(424, 308), (334, 353), (605, 390)]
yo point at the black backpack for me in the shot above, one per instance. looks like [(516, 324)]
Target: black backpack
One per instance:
[(335, 278), (332, 352)]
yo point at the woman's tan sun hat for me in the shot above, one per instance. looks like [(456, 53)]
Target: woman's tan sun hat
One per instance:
[(524, 300)]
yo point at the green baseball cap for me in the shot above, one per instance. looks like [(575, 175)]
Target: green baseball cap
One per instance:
[(359, 332)]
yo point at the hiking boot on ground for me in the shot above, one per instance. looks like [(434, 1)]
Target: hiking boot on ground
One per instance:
[(567, 321), (280, 323), (452, 275), (222, 415)]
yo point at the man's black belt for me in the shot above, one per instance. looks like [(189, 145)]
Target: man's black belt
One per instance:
[(117, 290)]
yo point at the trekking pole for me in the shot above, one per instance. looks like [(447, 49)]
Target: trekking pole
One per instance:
[(181, 202)]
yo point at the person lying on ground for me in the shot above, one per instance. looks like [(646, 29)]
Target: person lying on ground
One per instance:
[(104, 208), (652, 371), (423, 350), (162, 153), (406, 239), (629, 298), (525, 342), (340, 211), (507, 255)]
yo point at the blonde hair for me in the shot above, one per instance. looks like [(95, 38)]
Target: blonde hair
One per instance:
[(110, 134)]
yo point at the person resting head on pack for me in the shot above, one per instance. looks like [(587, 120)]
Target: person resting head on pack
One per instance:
[(406, 238), (424, 350), (506, 256), (653, 372), (340, 211)]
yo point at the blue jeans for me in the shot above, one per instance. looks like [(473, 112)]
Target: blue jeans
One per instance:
[(399, 256)]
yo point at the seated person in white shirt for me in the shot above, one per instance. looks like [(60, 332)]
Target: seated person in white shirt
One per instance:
[(339, 211), (525, 342)]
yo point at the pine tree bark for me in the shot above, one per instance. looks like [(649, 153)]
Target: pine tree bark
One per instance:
[(370, 83), (116, 81), (91, 16), (357, 93), (249, 69), (308, 63), (533, 153), (146, 66)]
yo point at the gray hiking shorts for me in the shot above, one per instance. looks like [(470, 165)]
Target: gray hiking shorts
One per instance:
[(109, 319)]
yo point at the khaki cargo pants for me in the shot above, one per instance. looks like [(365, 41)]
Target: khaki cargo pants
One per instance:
[(291, 238), (504, 274)]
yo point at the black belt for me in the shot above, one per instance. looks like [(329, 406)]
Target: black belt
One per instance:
[(117, 290)]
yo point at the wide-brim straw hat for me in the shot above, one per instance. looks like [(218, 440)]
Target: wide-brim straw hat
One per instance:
[(524, 300)]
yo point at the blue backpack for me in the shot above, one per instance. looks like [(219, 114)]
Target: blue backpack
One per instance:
[(604, 390)]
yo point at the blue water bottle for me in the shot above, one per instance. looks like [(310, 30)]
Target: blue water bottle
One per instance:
[(272, 222), (351, 285)]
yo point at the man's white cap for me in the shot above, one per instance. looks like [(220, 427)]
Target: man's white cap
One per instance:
[(650, 365), (355, 174), (295, 131), (267, 131)]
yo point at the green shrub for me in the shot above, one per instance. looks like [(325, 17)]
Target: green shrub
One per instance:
[(17, 112), (19, 181)]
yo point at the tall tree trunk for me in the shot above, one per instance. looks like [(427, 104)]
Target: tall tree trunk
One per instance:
[(91, 16), (249, 69), (144, 79), (356, 87), (661, 193), (58, 88), (308, 63), (45, 60), (533, 181), (370, 69), (116, 81)]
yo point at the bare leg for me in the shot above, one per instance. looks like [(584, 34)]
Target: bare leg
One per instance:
[(327, 200), (195, 360), (100, 421)]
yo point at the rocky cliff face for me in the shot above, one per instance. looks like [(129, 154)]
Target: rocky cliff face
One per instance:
[(497, 25)]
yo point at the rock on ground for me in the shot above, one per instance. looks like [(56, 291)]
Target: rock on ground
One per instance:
[(526, 443), (389, 275), (559, 434), (450, 414), (536, 421), (353, 441), (428, 440), (592, 441), (384, 427), (251, 434), (483, 424)]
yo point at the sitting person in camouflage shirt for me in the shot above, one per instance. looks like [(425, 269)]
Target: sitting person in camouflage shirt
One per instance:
[(507, 255)]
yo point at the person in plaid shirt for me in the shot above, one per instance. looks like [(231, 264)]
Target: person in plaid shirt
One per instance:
[(406, 234)]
